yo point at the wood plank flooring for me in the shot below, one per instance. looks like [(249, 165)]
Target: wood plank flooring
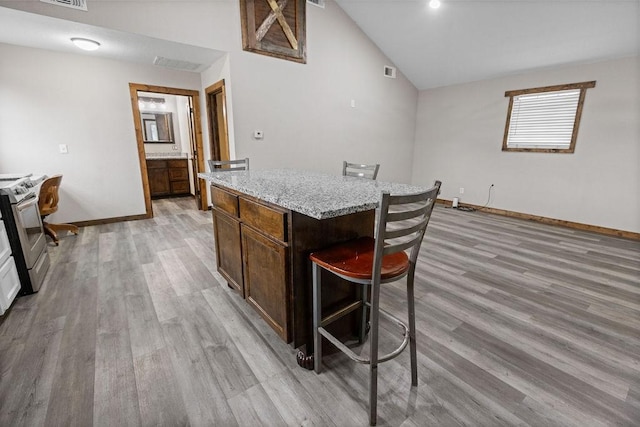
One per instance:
[(519, 324)]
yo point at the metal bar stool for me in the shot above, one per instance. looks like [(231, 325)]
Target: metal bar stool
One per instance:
[(360, 170), (372, 262), (229, 165)]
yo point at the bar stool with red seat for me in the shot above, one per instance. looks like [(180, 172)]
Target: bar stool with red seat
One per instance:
[(372, 262)]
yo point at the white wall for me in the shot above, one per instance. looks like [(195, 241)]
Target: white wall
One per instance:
[(459, 136), (304, 110), (49, 98)]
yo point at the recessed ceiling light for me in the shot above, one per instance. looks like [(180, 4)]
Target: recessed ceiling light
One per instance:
[(434, 4), (85, 44)]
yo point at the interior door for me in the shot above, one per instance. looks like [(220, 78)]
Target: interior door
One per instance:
[(217, 118)]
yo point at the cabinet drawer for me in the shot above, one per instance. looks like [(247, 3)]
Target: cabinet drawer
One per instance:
[(156, 164), (177, 163), (176, 174), (179, 187), (268, 220), (225, 201)]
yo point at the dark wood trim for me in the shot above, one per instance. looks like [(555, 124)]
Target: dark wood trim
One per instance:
[(134, 88), (576, 123), (506, 126), (550, 221), (109, 220), (568, 86)]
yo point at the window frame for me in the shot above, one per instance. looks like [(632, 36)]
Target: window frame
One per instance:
[(583, 86)]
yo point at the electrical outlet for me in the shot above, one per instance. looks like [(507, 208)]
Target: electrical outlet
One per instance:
[(461, 190)]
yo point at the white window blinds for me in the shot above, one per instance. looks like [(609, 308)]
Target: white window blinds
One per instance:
[(543, 120)]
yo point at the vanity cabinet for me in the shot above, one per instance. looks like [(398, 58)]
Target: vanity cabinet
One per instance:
[(168, 177)]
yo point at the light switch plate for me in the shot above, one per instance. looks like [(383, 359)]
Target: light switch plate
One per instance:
[(63, 149)]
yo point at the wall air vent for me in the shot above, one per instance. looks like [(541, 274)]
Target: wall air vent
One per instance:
[(390, 72), (319, 3), (177, 64), (73, 4)]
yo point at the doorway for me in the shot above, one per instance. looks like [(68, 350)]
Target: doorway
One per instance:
[(217, 119), (194, 129)]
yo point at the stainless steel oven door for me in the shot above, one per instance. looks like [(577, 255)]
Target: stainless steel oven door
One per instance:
[(29, 225)]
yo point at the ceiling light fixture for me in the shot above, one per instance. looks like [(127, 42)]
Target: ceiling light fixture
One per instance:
[(85, 44), (434, 4)]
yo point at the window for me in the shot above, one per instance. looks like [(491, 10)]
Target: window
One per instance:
[(544, 119)]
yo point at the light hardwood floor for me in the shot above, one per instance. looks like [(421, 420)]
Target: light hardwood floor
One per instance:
[(519, 324)]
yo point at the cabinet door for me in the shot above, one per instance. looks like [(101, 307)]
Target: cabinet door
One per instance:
[(9, 284), (266, 279), (228, 250), (158, 182)]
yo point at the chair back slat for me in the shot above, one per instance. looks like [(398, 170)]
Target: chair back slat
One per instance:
[(405, 215), (360, 170), (392, 249), (229, 165), (405, 231)]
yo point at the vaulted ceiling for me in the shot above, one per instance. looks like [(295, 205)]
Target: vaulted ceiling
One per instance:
[(470, 40), (462, 41)]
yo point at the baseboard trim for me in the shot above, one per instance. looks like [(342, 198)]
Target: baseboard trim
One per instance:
[(551, 221), (110, 220)]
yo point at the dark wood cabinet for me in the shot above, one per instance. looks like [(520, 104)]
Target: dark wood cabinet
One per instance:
[(262, 251), (229, 254), (158, 180), (168, 177), (266, 278), (252, 254)]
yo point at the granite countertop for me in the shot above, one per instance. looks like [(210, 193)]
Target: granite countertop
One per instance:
[(314, 194)]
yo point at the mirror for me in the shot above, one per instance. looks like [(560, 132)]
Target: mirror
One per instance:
[(157, 127)]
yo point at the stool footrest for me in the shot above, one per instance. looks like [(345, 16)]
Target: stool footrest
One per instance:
[(364, 360)]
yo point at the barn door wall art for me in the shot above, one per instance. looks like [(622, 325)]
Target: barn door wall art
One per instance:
[(275, 28)]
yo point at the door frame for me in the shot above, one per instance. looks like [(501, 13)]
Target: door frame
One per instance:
[(134, 88), (218, 138)]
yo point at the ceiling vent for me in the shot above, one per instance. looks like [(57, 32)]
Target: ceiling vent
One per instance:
[(73, 4), (177, 64), (319, 3), (390, 72)]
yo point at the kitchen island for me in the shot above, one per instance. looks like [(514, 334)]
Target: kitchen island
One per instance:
[(266, 222)]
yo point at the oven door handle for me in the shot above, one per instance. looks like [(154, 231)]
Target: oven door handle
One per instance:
[(25, 205)]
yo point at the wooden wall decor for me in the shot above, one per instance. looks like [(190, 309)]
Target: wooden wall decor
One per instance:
[(275, 28)]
